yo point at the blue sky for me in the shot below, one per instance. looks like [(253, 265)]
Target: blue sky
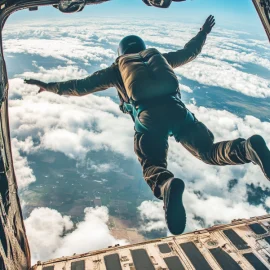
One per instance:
[(238, 14)]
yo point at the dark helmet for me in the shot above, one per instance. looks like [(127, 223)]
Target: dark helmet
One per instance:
[(131, 44)]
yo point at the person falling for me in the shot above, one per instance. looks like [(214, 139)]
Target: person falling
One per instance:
[(149, 91)]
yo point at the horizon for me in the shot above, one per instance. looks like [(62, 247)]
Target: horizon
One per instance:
[(233, 14)]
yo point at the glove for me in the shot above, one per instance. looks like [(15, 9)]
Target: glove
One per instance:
[(42, 86), (208, 25)]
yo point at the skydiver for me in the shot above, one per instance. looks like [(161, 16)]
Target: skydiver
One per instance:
[(149, 91)]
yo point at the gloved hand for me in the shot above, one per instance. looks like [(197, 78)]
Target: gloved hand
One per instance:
[(42, 85), (208, 25)]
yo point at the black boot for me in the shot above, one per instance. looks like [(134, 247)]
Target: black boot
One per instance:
[(258, 153), (175, 213)]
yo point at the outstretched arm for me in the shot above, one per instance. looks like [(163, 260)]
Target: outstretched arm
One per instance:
[(192, 48), (98, 81)]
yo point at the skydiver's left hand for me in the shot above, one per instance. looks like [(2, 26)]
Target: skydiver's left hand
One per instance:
[(42, 85)]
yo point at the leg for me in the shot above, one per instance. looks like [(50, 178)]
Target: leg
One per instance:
[(152, 154), (199, 141), (152, 150)]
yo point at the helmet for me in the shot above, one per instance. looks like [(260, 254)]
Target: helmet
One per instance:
[(131, 44)]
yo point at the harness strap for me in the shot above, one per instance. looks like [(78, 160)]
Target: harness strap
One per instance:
[(136, 109), (135, 113)]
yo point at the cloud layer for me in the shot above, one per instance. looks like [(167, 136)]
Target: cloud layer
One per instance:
[(223, 63), (215, 72), (75, 126)]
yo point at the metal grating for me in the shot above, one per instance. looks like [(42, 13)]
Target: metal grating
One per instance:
[(195, 256), (141, 260), (255, 262), (174, 263), (79, 265), (236, 239), (164, 248), (224, 259), (112, 262), (257, 228)]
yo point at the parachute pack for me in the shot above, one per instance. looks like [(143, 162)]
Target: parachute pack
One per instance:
[(147, 75)]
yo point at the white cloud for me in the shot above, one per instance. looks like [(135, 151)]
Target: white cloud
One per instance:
[(221, 209), (152, 216), (71, 125), (24, 174), (44, 228), (211, 209), (238, 54), (185, 88), (52, 235), (267, 202), (214, 72), (66, 49), (103, 66), (101, 168), (56, 74)]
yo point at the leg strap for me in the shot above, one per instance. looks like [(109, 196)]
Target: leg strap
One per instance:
[(136, 109)]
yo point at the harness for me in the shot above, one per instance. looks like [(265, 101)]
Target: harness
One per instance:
[(135, 112), (136, 108)]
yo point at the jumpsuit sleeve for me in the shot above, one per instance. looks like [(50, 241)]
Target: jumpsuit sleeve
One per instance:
[(98, 81), (188, 53)]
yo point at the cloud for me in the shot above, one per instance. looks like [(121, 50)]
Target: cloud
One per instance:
[(65, 49), (230, 50), (52, 235), (185, 88), (44, 229), (100, 168), (152, 216), (267, 202), (226, 125), (57, 74), (214, 72), (70, 125), (201, 213), (24, 174), (213, 209), (103, 66)]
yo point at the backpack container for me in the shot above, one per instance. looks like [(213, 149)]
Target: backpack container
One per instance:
[(147, 75)]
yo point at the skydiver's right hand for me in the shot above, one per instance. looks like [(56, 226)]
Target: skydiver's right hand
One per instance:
[(42, 85), (208, 25)]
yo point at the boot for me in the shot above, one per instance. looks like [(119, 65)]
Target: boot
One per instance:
[(258, 153), (175, 213)]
